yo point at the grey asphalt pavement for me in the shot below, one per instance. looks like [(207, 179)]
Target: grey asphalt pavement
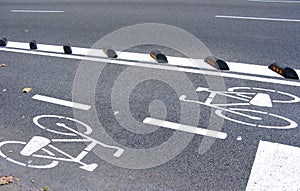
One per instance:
[(222, 164), (84, 22)]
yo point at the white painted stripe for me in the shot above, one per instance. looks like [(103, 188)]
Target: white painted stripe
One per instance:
[(276, 167), (237, 67), (174, 61), (61, 102), (271, 1), (256, 18), (185, 128), (252, 69), (36, 11), (141, 57)]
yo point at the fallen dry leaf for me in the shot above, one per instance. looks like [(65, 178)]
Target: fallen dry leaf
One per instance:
[(6, 180), (26, 90)]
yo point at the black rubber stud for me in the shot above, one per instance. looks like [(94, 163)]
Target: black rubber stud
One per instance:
[(33, 45), (3, 42), (158, 56), (67, 49), (216, 62), (110, 53), (286, 72), (290, 73)]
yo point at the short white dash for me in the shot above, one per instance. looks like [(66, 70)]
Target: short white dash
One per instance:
[(61, 102), (256, 18), (272, 1), (185, 128), (116, 113), (36, 11), (239, 138)]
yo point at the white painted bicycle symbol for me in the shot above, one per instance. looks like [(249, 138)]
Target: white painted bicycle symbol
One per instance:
[(39, 147), (36, 153), (249, 96)]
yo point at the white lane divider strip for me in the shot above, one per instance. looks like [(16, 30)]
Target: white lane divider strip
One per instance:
[(276, 167), (256, 18), (141, 57), (36, 11), (252, 69), (185, 128), (57, 49), (126, 58), (61, 102)]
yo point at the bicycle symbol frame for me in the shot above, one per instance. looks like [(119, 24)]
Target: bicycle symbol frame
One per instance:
[(38, 143), (248, 98)]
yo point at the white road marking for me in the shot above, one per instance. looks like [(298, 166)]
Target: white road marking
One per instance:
[(61, 102), (36, 143), (205, 69), (262, 100), (273, 1), (295, 99), (140, 57), (88, 131), (252, 69), (51, 165), (185, 128), (36, 11), (256, 18), (291, 124), (276, 167)]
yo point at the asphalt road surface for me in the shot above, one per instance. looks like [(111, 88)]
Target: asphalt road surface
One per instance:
[(92, 123)]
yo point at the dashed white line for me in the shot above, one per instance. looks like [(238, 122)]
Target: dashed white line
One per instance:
[(61, 102), (185, 128), (276, 167), (36, 11), (271, 1), (256, 18)]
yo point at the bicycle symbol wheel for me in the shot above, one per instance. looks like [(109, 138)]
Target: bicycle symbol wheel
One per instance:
[(56, 128), (26, 161), (268, 120), (276, 96)]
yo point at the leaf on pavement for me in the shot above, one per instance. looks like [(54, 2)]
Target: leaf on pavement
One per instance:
[(6, 180), (26, 90)]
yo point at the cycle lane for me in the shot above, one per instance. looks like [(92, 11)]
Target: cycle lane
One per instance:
[(227, 162)]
